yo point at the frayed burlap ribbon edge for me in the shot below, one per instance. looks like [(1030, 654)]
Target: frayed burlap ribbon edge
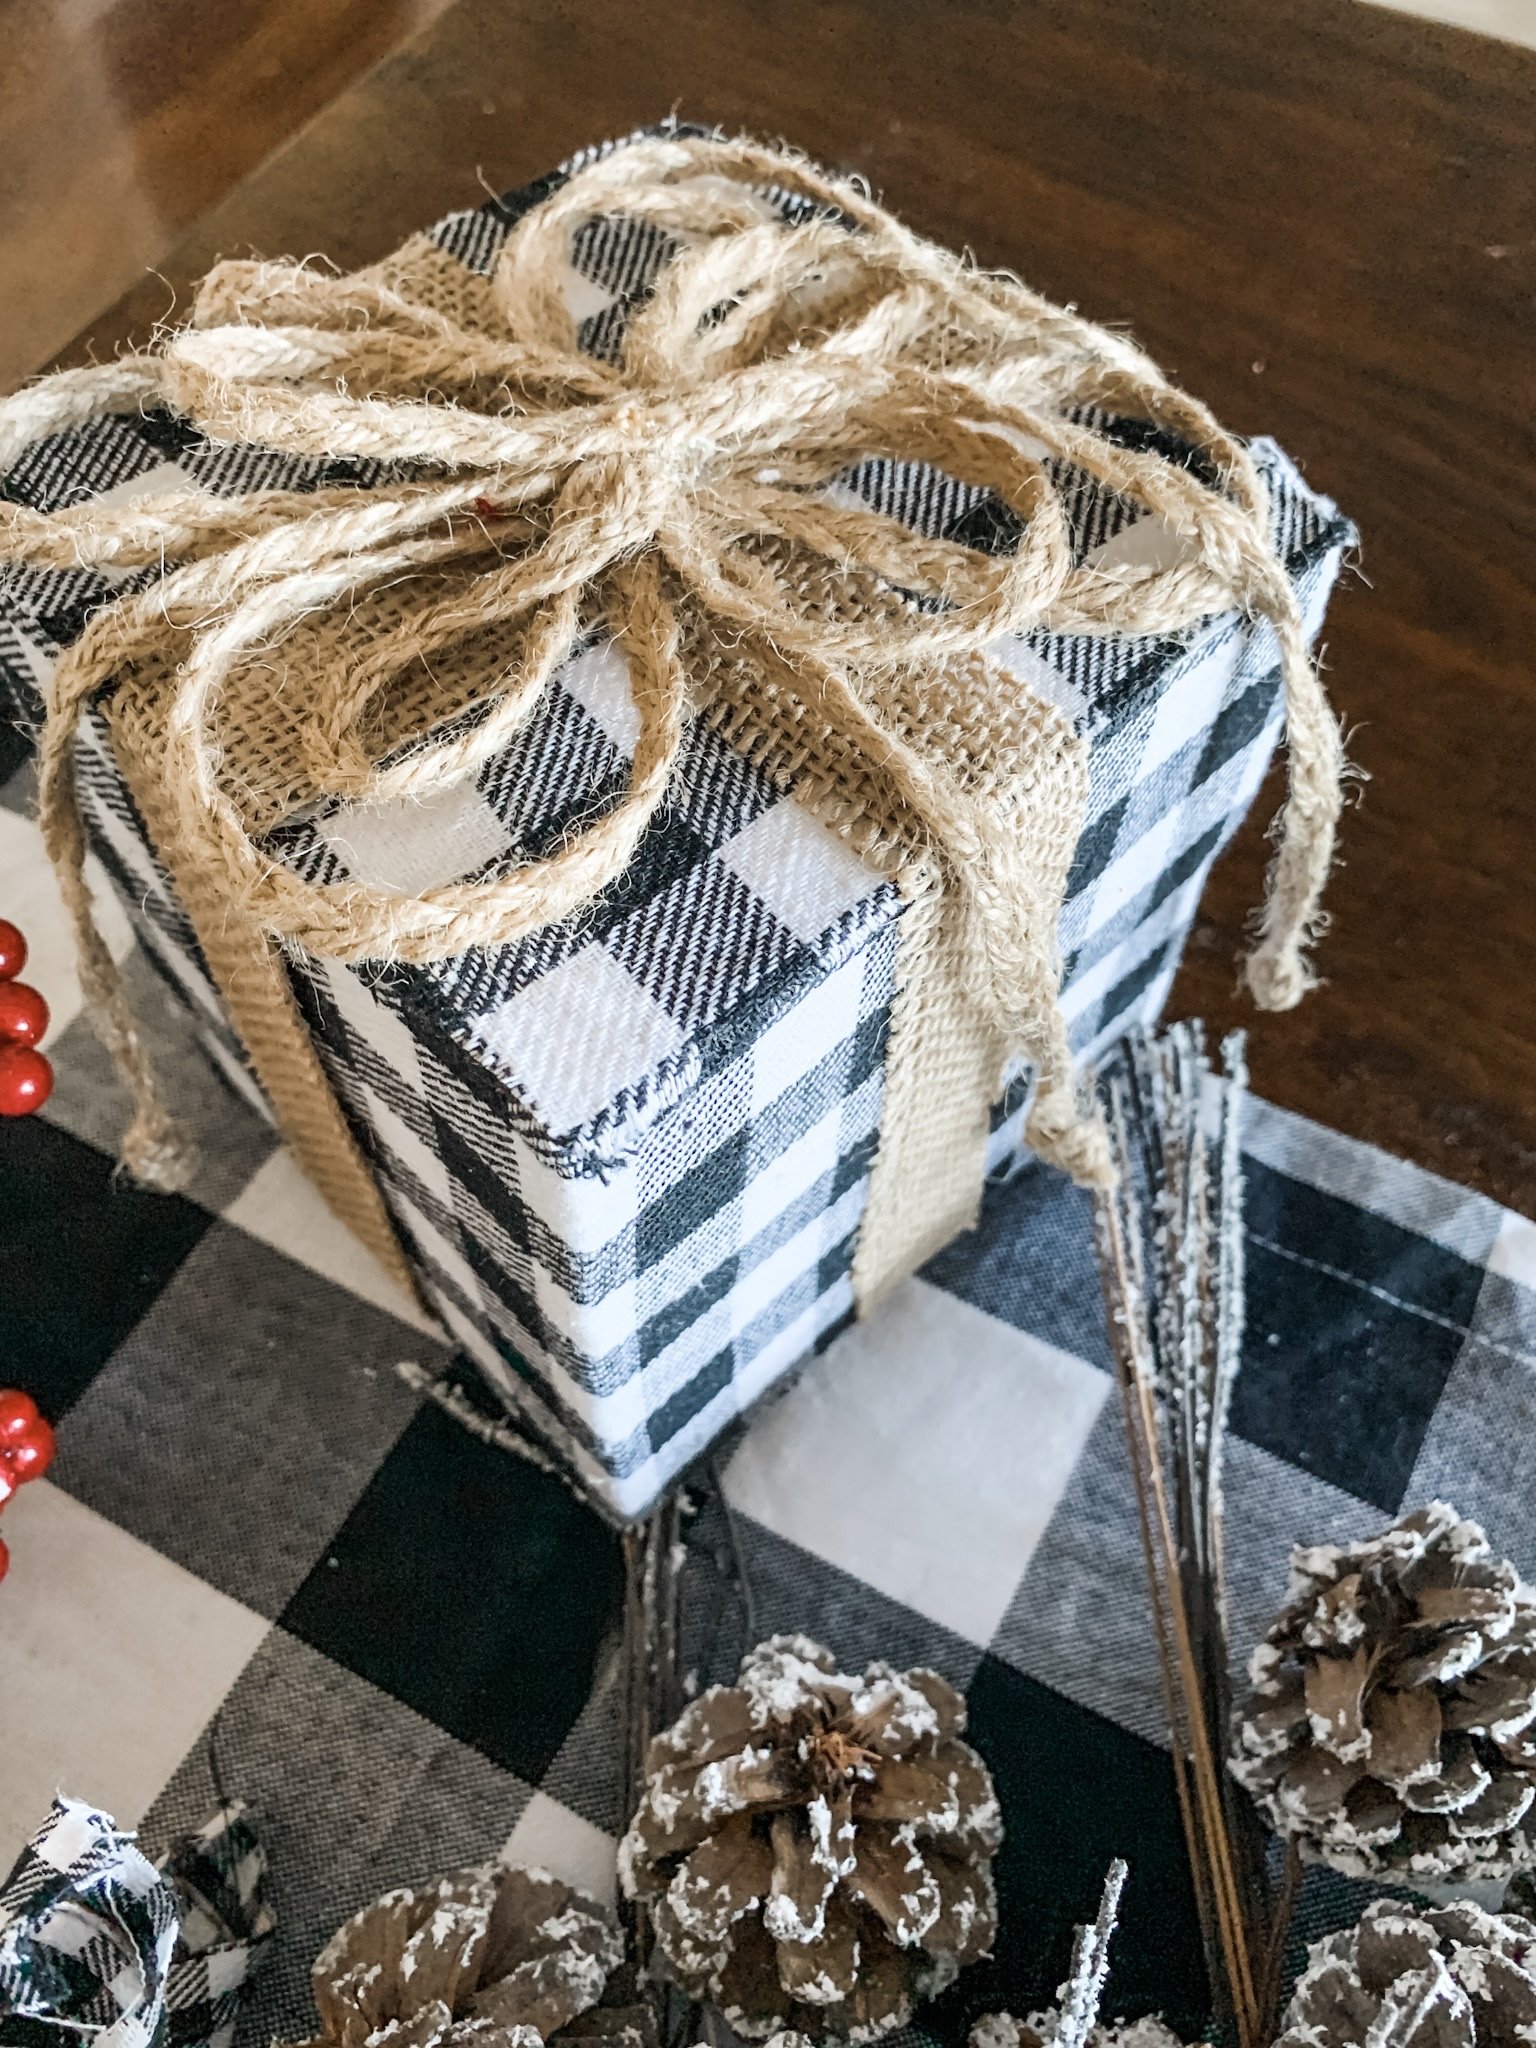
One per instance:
[(674, 500)]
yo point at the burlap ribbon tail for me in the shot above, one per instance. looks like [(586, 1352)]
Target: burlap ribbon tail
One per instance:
[(383, 643)]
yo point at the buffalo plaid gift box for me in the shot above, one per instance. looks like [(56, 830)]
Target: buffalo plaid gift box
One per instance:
[(628, 1156)]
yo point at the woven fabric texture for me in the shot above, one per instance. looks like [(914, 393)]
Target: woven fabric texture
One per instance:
[(87, 1929)]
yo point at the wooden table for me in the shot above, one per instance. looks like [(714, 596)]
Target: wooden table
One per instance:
[(1319, 216)]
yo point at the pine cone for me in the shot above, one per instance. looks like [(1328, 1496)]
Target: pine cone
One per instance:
[(1390, 1731), (1002, 2030), (817, 1847), (1418, 1977), (492, 1957)]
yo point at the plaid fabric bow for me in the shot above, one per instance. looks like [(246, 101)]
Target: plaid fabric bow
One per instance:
[(97, 1940)]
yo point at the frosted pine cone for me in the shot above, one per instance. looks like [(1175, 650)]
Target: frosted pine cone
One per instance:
[(1002, 2030), (1390, 1731), (1437, 1977), (817, 1847), (493, 1957)]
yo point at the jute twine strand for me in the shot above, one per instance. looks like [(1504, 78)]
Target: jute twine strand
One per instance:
[(292, 654)]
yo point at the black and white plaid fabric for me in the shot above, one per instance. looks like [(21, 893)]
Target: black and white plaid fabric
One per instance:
[(629, 1156), (87, 1927), (219, 1872), (95, 1939), (404, 1642)]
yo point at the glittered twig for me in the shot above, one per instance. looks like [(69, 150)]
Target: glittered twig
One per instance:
[(1083, 1991)]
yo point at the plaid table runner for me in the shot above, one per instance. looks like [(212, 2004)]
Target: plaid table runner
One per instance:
[(259, 1550)]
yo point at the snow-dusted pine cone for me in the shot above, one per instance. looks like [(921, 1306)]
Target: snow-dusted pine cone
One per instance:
[(817, 1848), (1392, 1726), (1418, 1977), (492, 1957), (1002, 2030)]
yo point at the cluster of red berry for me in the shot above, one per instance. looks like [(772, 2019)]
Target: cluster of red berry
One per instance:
[(26, 1082), (26, 1079), (26, 1449)]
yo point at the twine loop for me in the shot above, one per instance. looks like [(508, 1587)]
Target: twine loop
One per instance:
[(678, 499)]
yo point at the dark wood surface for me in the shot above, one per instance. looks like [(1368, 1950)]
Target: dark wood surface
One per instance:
[(122, 121), (1318, 215)]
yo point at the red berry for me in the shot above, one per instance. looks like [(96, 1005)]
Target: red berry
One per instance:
[(19, 1415), (31, 1457), (23, 1014), (5, 1560), (13, 951), (26, 1080), (9, 1481)]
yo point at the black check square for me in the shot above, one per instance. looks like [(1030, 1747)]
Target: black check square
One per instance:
[(553, 778), (690, 1203), (1052, 1761), (718, 791), (475, 1591), (79, 1269), (1343, 1385), (702, 944), (66, 469)]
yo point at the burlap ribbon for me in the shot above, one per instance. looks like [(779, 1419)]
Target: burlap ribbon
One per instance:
[(309, 646)]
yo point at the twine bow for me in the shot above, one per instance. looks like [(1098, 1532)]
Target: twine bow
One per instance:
[(676, 498)]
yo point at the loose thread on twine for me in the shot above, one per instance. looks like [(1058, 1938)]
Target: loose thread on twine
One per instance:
[(294, 655)]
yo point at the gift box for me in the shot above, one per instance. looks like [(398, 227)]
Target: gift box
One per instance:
[(628, 1157)]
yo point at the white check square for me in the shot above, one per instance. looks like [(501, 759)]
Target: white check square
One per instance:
[(115, 1661), (924, 1454)]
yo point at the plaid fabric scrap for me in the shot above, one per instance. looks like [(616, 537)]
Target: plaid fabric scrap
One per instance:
[(219, 1872), (629, 1154), (94, 1938), (87, 1927)]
